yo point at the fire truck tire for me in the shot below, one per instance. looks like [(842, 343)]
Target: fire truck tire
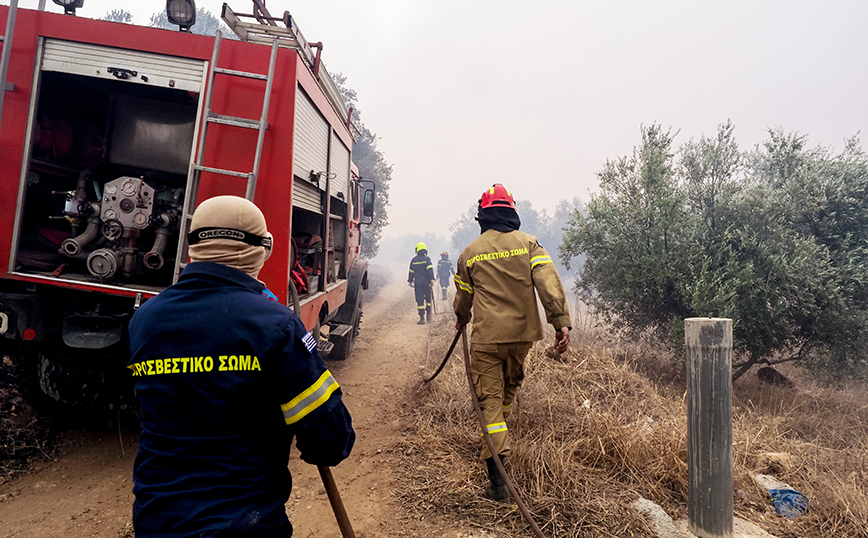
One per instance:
[(343, 345), (69, 383)]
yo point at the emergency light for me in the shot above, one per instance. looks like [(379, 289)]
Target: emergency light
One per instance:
[(69, 6), (180, 12)]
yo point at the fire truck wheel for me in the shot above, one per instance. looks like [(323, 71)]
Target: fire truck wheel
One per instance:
[(25, 374), (70, 383), (344, 344)]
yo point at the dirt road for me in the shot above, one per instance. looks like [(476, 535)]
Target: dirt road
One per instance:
[(87, 489)]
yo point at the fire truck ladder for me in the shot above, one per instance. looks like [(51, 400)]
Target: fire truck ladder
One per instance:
[(6, 39), (260, 125)]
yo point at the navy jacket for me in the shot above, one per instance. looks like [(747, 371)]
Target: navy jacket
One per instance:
[(421, 270), (445, 271), (226, 378)]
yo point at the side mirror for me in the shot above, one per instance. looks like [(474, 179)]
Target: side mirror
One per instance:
[(370, 188), (368, 204)]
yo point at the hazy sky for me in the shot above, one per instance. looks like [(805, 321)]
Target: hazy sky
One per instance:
[(538, 95)]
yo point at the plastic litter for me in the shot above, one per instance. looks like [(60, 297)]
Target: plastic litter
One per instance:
[(789, 502)]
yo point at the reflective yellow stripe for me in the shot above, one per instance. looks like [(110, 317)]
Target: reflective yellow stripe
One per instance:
[(462, 285), (497, 427), (539, 260), (313, 397)]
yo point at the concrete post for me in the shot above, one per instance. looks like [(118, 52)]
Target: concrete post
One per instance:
[(709, 426)]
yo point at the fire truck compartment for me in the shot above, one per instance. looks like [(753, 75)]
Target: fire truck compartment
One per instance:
[(107, 166)]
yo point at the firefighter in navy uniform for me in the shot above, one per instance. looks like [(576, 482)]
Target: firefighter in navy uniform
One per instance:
[(497, 275), (420, 277), (226, 377), (445, 272)]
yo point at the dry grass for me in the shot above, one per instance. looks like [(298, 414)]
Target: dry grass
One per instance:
[(23, 438), (826, 431), (592, 434)]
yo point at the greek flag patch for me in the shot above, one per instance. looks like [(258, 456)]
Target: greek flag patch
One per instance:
[(309, 341)]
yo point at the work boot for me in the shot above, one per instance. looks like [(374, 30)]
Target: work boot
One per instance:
[(421, 318), (444, 294), (428, 313), (496, 490)]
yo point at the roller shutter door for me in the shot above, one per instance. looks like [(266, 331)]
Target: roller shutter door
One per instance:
[(340, 167), (311, 140), (132, 66), (305, 196)]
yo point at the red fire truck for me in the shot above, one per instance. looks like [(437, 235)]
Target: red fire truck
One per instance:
[(111, 134)]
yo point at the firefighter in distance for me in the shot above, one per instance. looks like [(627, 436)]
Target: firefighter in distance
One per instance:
[(445, 272), (499, 277), (226, 377), (421, 277)]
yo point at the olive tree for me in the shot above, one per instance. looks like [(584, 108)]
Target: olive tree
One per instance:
[(373, 166), (633, 237), (761, 237)]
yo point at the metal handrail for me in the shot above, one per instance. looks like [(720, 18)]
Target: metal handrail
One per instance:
[(7, 51), (289, 37)]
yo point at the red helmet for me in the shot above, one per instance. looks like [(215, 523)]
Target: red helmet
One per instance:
[(497, 196)]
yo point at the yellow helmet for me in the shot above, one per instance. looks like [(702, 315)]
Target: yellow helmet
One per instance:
[(421, 246)]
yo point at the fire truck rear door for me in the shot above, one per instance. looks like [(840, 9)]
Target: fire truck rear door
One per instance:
[(122, 64)]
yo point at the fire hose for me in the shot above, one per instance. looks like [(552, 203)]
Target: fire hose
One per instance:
[(446, 358), (509, 484)]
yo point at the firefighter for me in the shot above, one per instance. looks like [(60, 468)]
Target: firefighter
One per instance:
[(497, 275), (421, 277), (226, 377), (445, 272)]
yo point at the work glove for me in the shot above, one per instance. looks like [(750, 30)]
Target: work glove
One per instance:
[(562, 339)]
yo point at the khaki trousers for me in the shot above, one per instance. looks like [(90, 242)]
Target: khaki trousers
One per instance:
[(498, 371)]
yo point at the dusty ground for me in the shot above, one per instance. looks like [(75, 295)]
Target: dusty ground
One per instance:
[(87, 491)]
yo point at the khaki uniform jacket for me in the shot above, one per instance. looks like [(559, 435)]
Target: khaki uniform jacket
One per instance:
[(496, 278)]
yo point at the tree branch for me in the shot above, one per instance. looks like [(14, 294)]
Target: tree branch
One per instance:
[(741, 369), (791, 358)]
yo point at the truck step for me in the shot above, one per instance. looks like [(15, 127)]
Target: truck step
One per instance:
[(340, 330), (325, 346)]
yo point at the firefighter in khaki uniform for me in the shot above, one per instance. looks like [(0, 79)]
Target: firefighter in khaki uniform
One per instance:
[(497, 275)]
